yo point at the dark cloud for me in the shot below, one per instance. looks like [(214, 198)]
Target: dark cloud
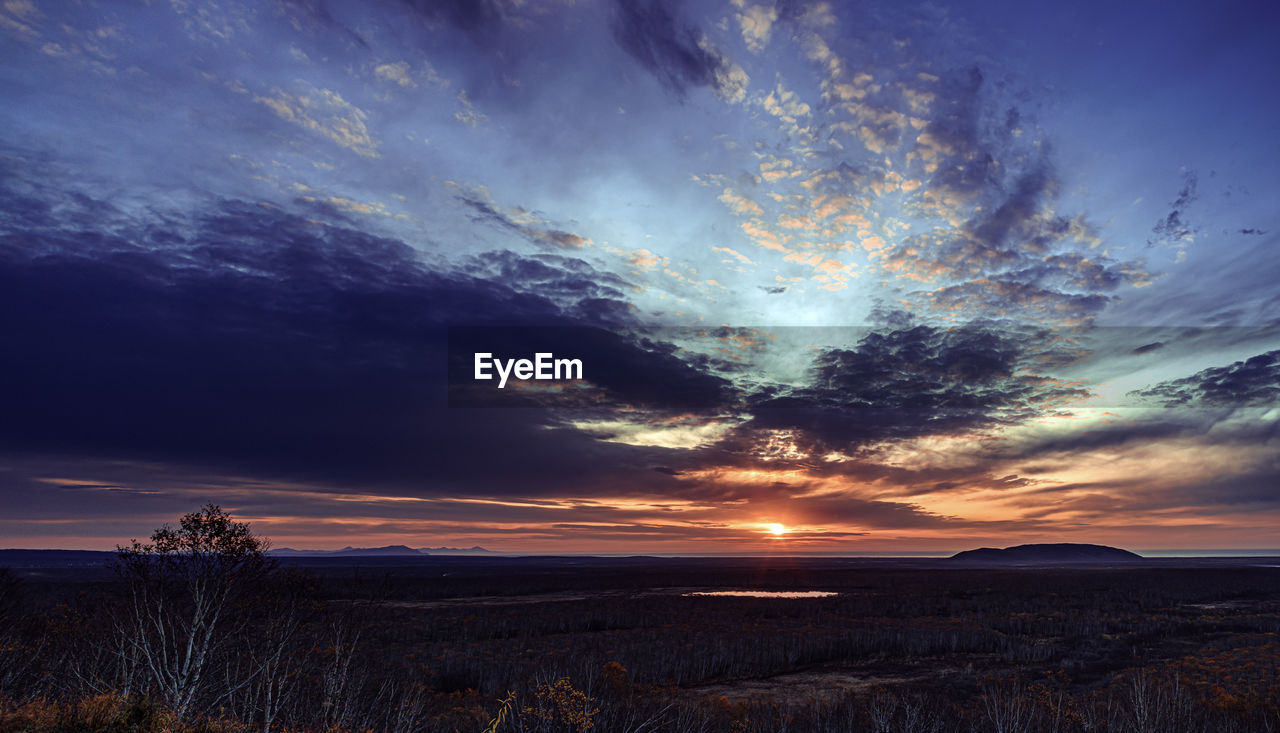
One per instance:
[(1145, 348), (1013, 254), (260, 342), (1016, 218), (470, 16), (889, 316), (917, 367), (1252, 382), (999, 295), (531, 227), (910, 382), (968, 164), (1107, 436), (673, 51), (1173, 228), (594, 294), (316, 14), (1015, 259), (466, 15), (1254, 232), (1010, 260)]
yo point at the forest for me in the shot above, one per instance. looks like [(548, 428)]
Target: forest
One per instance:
[(200, 629)]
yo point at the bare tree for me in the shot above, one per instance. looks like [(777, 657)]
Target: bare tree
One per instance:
[(16, 655), (881, 708), (275, 658), (186, 604), (1007, 706)]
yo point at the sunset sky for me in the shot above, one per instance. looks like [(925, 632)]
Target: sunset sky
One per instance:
[(845, 277)]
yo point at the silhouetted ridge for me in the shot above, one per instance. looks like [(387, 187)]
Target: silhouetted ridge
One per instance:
[(1048, 553), (388, 551)]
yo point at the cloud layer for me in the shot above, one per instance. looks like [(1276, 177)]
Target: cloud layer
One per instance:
[(878, 274)]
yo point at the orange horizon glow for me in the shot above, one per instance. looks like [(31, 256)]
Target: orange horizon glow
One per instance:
[(1166, 533)]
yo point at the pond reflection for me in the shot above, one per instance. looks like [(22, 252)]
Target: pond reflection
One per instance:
[(765, 593)]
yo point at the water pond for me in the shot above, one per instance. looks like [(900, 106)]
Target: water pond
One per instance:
[(765, 593)]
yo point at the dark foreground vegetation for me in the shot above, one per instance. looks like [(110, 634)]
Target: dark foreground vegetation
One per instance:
[(197, 630)]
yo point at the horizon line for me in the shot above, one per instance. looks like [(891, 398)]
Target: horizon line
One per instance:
[(905, 555)]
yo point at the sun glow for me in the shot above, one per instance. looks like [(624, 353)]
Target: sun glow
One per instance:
[(777, 530)]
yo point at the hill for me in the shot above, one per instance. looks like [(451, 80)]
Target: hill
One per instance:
[(388, 551), (1060, 553)]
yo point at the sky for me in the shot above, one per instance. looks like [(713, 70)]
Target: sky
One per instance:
[(870, 277)]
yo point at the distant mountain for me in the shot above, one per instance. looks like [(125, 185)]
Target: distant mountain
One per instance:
[(290, 552), (477, 550), (388, 551), (1061, 553)]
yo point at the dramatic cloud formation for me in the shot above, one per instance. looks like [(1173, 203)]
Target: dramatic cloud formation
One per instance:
[(679, 55), (1173, 228), (912, 382), (1252, 382), (519, 220), (886, 275), (287, 345)]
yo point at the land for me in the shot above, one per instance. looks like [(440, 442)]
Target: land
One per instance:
[(1052, 554), (437, 642)]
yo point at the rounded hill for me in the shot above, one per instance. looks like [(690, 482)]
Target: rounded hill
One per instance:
[(1048, 553)]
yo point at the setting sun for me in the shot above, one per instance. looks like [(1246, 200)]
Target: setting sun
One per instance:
[(777, 530)]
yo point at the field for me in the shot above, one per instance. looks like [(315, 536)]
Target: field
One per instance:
[(619, 644)]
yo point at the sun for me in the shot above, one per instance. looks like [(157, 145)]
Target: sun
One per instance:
[(777, 530)]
